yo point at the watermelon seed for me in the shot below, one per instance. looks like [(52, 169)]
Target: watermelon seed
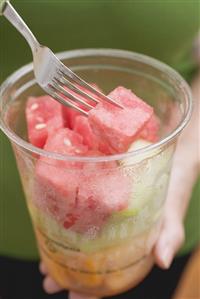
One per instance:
[(40, 126), (67, 142), (77, 151), (34, 106)]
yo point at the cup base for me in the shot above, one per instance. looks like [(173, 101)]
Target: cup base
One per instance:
[(100, 285)]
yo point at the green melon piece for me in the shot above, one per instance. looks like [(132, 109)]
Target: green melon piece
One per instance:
[(118, 230), (150, 175)]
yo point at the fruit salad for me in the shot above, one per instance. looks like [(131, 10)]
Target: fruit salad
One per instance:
[(96, 220)]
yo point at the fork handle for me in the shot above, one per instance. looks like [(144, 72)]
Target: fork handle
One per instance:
[(7, 10)]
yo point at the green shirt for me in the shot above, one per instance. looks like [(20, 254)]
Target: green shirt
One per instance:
[(163, 29)]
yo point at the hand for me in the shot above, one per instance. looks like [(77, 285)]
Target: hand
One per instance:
[(186, 168), (50, 286), (182, 180)]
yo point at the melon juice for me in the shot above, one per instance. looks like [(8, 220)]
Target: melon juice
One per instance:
[(96, 186)]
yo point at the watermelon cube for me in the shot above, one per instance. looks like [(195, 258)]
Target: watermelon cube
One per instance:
[(107, 186), (101, 193), (57, 180), (82, 127), (120, 127), (79, 195), (67, 142), (43, 115), (71, 114), (55, 188), (105, 148), (150, 132)]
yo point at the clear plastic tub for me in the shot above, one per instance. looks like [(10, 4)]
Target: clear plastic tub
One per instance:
[(109, 258)]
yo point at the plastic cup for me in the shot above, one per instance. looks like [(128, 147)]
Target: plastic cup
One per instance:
[(105, 253)]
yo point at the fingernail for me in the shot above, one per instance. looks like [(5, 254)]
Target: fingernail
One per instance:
[(167, 258)]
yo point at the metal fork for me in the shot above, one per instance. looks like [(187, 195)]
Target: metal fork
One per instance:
[(51, 74)]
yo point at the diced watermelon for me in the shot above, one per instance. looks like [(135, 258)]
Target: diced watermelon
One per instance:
[(71, 114), (127, 98), (81, 200), (108, 187), (120, 127), (55, 188), (80, 196), (105, 148), (43, 115), (93, 142), (66, 141), (101, 193), (150, 132), (57, 180), (151, 129), (82, 126)]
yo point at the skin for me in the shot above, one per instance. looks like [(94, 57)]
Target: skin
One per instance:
[(183, 174)]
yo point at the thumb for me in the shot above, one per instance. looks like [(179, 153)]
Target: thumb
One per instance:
[(170, 240), (73, 295)]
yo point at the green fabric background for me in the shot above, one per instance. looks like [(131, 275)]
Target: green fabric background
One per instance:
[(162, 29)]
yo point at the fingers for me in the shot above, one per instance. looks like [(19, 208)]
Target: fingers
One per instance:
[(50, 286), (73, 295), (170, 240), (43, 268)]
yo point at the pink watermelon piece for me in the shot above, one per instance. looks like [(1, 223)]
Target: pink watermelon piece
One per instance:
[(79, 195), (80, 200), (101, 193), (67, 142), (104, 147), (43, 115), (150, 132), (71, 114), (55, 188), (57, 180), (82, 127), (120, 127), (128, 99)]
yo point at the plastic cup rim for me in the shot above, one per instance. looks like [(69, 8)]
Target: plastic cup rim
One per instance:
[(13, 137)]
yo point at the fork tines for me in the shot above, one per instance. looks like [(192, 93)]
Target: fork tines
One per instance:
[(69, 89)]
